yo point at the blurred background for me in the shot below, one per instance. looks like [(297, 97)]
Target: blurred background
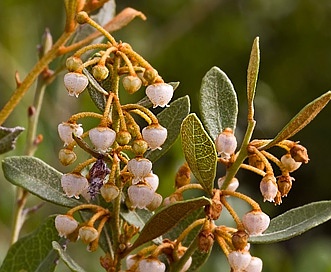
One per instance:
[(183, 40)]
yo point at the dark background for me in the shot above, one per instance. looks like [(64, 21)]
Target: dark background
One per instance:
[(183, 40)]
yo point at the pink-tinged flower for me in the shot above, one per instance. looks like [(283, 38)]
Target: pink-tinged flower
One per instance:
[(256, 222), (154, 135), (160, 94), (102, 138), (65, 225), (73, 184), (66, 130), (75, 83), (226, 143)]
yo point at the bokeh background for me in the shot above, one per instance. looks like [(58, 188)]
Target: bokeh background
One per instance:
[(183, 40)]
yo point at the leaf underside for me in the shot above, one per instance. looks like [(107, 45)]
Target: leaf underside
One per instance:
[(199, 151), (295, 222), (302, 119)]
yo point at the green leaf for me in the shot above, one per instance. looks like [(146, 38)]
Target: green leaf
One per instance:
[(199, 151), (70, 263), (295, 222), (198, 260), (168, 217), (96, 91), (137, 217), (252, 73), (302, 119), (171, 118), (174, 232), (38, 178), (218, 102), (33, 251), (8, 138)]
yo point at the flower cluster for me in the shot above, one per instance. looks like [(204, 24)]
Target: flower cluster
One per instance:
[(116, 170)]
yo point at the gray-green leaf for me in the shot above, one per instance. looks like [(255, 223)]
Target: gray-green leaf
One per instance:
[(302, 119), (295, 222), (199, 151), (33, 251), (218, 102), (70, 263), (168, 217), (252, 73), (8, 138), (38, 178), (171, 118)]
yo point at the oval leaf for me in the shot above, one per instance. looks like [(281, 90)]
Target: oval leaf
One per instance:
[(38, 178), (302, 119), (70, 263), (33, 251), (171, 118), (218, 102), (8, 138), (295, 222), (199, 151), (168, 217)]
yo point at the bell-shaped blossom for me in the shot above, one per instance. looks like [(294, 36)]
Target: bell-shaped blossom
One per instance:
[(160, 94), (75, 83)]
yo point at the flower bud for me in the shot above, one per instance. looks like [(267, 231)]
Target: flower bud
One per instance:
[(155, 135), (284, 184), (75, 83), (73, 63), (88, 234), (152, 180), (150, 75), (139, 147), (65, 224), (206, 241), (100, 72), (160, 94), (233, 185), (131, 84), (109, 192), (183, 176), (73, 184), (226, 143), (151, 264), (289, 163), (140, 195), (239, 260), (268, 187), (66, 130), (255, 265), (139, 167), (299, 153), (102, 138), (255, 161), (67, 156), (156, 202), (123, 137), (239, 240), (256, 222)]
